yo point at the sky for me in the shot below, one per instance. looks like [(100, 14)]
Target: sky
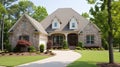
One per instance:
[(80, 6)]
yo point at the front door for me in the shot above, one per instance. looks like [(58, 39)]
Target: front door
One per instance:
[(72, 39)]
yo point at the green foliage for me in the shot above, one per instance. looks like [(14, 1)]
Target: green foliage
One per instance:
[(41, 48), (79, 48), (91, 1), (40, 13), (31, 49), (8, 47), (85, 15), (80, 44), (65, 45), (16, 49)]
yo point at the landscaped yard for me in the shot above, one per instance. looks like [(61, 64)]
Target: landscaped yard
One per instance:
[(17, 60), (90, 58)]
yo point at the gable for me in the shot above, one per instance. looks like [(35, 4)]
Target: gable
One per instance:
[(91, 28), (64, 15), (38, 27)]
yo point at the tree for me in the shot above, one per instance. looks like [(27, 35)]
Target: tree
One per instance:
[(110, 33), (85, 15), (103, 13), (40, 13)]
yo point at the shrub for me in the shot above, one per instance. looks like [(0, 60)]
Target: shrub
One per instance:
[(65, 45), (8, 47), (78, 48), (80, 44), (42, 48), (31, 49), (23, 43), (16, 49), (105, 44)]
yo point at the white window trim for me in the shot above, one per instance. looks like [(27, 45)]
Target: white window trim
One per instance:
[(53, 24), (73, 20)]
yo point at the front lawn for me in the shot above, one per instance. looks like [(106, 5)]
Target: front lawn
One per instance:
[(90, 58), (11, 61)]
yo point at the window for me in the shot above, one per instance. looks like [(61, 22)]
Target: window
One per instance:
[(24, 37), (24, 25), (90, 39), (58, 39), (73, 24), (55, 24)]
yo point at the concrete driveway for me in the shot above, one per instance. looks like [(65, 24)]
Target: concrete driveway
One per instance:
[(61, 59)]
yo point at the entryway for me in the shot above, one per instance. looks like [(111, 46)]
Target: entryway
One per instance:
[(72, 39)]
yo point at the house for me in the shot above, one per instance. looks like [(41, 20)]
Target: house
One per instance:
[(27, 28), (63, 24)]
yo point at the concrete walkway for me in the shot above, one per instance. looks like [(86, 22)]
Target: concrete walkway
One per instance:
[(61, 59)]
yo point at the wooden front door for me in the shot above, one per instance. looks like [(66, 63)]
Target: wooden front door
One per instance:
[(72, 39)]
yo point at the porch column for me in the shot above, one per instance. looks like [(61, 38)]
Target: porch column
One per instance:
[(66, 36)]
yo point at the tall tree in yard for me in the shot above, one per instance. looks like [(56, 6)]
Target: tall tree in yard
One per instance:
[(110, 33)]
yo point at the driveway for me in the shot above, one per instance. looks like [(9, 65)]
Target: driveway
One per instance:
[(61, 59)]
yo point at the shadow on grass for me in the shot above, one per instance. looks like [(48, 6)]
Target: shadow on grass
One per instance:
[(82, 64)]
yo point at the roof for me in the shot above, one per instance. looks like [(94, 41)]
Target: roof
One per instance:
[(35, 24), (64, 15)]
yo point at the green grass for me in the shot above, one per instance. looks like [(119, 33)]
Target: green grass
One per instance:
[(90, 58), (11, 61)]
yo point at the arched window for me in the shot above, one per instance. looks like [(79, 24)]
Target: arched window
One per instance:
[(73, 24)]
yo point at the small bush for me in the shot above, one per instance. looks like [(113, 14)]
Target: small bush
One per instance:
[(80, 44), (16, 49), (65, 45), (78, 48), (8, 47), (31, 49), (42, 48)]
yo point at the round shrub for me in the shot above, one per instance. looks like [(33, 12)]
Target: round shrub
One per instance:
[(65, 45), (31, 49), (42, 48)]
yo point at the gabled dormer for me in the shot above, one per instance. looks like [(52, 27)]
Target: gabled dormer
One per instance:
[(73, 24), (55, 23)]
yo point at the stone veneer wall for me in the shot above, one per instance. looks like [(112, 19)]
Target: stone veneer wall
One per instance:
[(20, 29), (90, 29)]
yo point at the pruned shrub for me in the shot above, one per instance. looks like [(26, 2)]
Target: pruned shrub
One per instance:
[(42, 48), (23, 43), (31, 49), (65, 44)]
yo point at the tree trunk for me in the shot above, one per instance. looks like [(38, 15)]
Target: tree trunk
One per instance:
[(119, 47), (110, 34), (0, 34)]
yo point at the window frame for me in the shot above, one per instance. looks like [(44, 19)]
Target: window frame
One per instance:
[(73, 21), (55, 24), (90, 39)]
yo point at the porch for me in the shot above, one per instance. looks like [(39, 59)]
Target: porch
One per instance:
[(58, 38)]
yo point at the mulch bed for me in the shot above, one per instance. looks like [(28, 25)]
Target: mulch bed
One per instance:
[(108, 65), (25, 54)]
